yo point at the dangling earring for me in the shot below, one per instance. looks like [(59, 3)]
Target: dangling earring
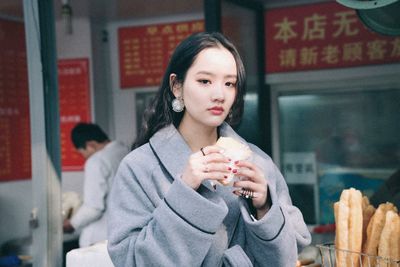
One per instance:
[(178, 105)]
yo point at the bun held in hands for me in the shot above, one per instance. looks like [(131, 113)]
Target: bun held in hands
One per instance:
[(234, 150)]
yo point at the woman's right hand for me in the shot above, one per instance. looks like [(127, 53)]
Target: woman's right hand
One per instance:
[(213, 165)]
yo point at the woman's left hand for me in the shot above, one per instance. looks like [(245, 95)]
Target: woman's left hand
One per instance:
[(252, 178)]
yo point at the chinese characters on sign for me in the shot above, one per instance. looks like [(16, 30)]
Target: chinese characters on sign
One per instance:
[(15, 136), (300, 167), (325, 35), (144, 51), (74, 88)]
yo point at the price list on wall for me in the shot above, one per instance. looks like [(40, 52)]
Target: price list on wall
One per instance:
[(144, 51), (74, 88), (15, 145)]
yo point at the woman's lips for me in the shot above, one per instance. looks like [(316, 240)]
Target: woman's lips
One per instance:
[(216, 110)]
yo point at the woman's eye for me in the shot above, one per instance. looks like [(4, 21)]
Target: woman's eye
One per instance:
[(204, 81), (230, 84)]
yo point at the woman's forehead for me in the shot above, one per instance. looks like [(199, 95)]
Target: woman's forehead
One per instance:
[(215, 59)]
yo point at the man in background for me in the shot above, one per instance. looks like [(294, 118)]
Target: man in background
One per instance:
[(102, 160)]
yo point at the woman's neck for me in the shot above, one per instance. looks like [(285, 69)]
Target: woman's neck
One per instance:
[(198, 136)]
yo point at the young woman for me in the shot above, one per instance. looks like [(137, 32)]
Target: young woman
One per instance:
[(164, 210)]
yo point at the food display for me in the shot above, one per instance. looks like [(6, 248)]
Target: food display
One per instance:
[(368, 211), (234, 150), (389, 242), (374, 232), (366, 236), (349, 218)]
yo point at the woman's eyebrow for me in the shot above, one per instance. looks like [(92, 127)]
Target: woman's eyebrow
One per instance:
[(212, 74), (205, 72), (231, 76)]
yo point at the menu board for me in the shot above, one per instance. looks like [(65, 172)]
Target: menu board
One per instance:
[(144, 51), (323, 35), (75, 103), (15, 142)]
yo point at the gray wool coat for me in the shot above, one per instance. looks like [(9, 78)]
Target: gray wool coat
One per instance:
[(157, 220)]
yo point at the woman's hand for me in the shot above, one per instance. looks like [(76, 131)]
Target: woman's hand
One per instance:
[(252, 178), (213, 165)]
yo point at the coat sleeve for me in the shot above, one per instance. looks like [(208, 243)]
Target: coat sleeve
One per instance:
[(177, 231), (276, 238)]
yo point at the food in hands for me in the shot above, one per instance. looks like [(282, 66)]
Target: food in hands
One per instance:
[(234, 150)]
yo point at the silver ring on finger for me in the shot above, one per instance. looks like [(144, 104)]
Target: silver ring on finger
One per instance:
[(247, 193)]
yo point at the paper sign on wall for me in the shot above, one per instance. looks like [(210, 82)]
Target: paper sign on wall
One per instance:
[(300, 167)]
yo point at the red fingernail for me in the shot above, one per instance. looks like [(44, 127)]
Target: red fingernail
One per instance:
[(229, 168), (236, 162), (229, 159), (234, 171), (225, 176)]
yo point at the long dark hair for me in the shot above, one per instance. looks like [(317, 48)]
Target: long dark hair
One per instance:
[(160, 114)]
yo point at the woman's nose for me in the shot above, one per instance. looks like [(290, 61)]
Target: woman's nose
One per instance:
[(218, 93)]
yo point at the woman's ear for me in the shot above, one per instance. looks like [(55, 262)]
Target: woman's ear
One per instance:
[(175, 85)]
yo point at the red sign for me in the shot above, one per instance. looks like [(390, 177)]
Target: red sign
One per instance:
[(15, 135), (74, 94), (325, 35), (144, 51)]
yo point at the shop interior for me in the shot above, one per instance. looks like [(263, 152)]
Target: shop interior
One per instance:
[(329, 118)]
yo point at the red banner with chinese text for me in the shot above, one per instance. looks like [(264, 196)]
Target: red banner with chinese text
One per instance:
[(320, 36), (15, 134), (75, 106), (144, 51)]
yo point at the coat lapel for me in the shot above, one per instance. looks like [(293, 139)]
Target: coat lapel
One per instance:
[(171, 149)]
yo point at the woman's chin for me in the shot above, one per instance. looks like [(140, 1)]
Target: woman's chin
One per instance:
[(215, 123)]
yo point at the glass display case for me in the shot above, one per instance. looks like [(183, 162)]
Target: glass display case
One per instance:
[(330, 140)]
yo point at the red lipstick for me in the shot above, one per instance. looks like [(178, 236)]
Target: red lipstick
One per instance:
[(216, 110)]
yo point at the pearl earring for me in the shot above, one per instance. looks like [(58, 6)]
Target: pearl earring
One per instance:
[(178, 105)]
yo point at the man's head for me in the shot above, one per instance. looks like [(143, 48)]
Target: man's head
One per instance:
[(88, 138)]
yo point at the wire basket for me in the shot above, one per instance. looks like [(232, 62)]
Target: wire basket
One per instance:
[(329, 254)]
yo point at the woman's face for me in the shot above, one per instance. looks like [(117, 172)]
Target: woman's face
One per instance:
[(209, 88)]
